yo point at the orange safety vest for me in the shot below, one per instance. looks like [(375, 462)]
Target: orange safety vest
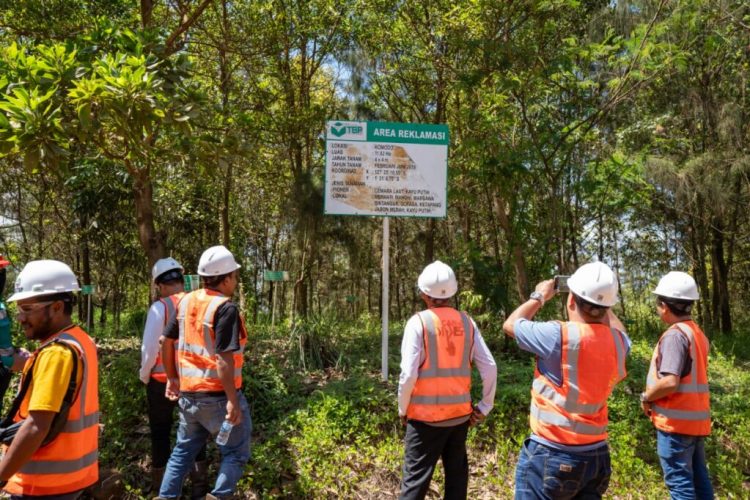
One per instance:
[(688, 409), (443, 387), (70, 461), (170, 307), (196, 362), (592, 362)]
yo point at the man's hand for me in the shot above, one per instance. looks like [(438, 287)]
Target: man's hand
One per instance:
[(403, 419), (172, 392), (646, 407), (19, 359), (547, 289), (476, 417), (234, 415)]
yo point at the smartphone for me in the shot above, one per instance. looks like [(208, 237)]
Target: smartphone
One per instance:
[(561, 283)]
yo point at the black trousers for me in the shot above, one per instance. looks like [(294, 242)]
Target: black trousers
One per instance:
[(424, 444), (160, 419)]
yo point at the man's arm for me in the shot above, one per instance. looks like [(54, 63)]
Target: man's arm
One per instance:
[(225, 366), (28, 439), (528, 309), (485, 363), (172, 391), (150, 344), (674, 349), (227, 329), (411, 352)]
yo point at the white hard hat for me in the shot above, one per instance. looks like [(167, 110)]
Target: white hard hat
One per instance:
[(44, 277), (165, 265), (677, 285), (596, 283), (438, 281), (217, 261)]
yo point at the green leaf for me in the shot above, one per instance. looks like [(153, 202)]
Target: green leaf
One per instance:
[(84, 115)]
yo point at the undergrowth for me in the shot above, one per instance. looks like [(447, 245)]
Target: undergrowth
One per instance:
[(326, 426)]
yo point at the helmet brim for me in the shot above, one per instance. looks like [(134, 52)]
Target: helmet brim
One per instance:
[(27, 295), (231, 271)]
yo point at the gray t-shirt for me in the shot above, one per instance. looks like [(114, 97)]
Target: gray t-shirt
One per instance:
[(674, 354)]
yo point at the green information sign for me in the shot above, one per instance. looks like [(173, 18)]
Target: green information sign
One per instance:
[(192, 282), (275, 275), (386, 168), (88, 289)]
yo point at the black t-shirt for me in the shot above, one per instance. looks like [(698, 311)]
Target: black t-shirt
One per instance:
[(226, 328)]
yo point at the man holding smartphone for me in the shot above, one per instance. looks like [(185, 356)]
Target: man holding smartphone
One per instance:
[(578, 363)]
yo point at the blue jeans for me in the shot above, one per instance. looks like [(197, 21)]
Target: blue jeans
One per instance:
[(200, 417), (683, 461), (547, 473)]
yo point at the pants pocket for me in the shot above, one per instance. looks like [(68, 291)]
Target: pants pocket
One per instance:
[(604, 475), (563, 476)]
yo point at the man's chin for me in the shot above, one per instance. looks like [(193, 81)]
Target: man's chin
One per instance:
[(32, 334)]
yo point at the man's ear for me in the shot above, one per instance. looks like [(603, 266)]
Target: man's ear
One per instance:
[(57, 307)]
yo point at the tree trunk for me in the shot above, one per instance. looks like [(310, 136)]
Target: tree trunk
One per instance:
[(519, 265), (151, 240), (429, 245), (147, 10), (720, 272)]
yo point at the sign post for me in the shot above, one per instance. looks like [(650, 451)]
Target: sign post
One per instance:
[(88, 290), (390, 170), (386, 301)]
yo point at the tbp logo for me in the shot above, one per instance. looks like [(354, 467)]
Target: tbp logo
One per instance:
[(346, 130)]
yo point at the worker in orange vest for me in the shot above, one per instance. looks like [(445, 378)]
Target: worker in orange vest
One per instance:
[(439, 347), (167, 275), (677, 396), (55, 448), (203, 356), (578, 363)]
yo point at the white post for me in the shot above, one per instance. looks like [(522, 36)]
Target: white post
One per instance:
[(384, 337)]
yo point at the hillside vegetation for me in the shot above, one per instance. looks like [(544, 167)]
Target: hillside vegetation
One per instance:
[(332, 431)]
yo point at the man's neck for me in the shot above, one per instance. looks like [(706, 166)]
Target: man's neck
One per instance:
[(680, 319)]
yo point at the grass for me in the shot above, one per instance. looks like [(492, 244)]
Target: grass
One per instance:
[(330, 429)]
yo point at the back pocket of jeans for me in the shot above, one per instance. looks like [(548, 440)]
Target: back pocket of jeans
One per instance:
[(563, 476)]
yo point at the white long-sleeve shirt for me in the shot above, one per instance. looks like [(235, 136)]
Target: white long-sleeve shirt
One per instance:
[(412, 356), (151, 333)]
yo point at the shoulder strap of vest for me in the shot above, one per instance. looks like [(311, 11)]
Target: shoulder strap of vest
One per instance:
[(8, 428)]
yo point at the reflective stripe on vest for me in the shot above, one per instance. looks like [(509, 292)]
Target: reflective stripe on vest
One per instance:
[(442, 390), (560, 420), (557, 413), (686, 410), (69, 462), (158, 372), (196, 352)]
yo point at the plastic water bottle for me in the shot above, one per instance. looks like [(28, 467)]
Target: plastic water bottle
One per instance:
[(223, 436)]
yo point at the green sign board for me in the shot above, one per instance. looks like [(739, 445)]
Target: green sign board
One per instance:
[(275, 275), (88, 289), (192, 282), (386, 168)]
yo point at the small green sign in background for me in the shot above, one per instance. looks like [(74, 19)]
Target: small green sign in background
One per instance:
[(88, 289), (275, 275)]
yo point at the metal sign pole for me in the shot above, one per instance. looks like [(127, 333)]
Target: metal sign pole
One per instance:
[(384, 338)]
